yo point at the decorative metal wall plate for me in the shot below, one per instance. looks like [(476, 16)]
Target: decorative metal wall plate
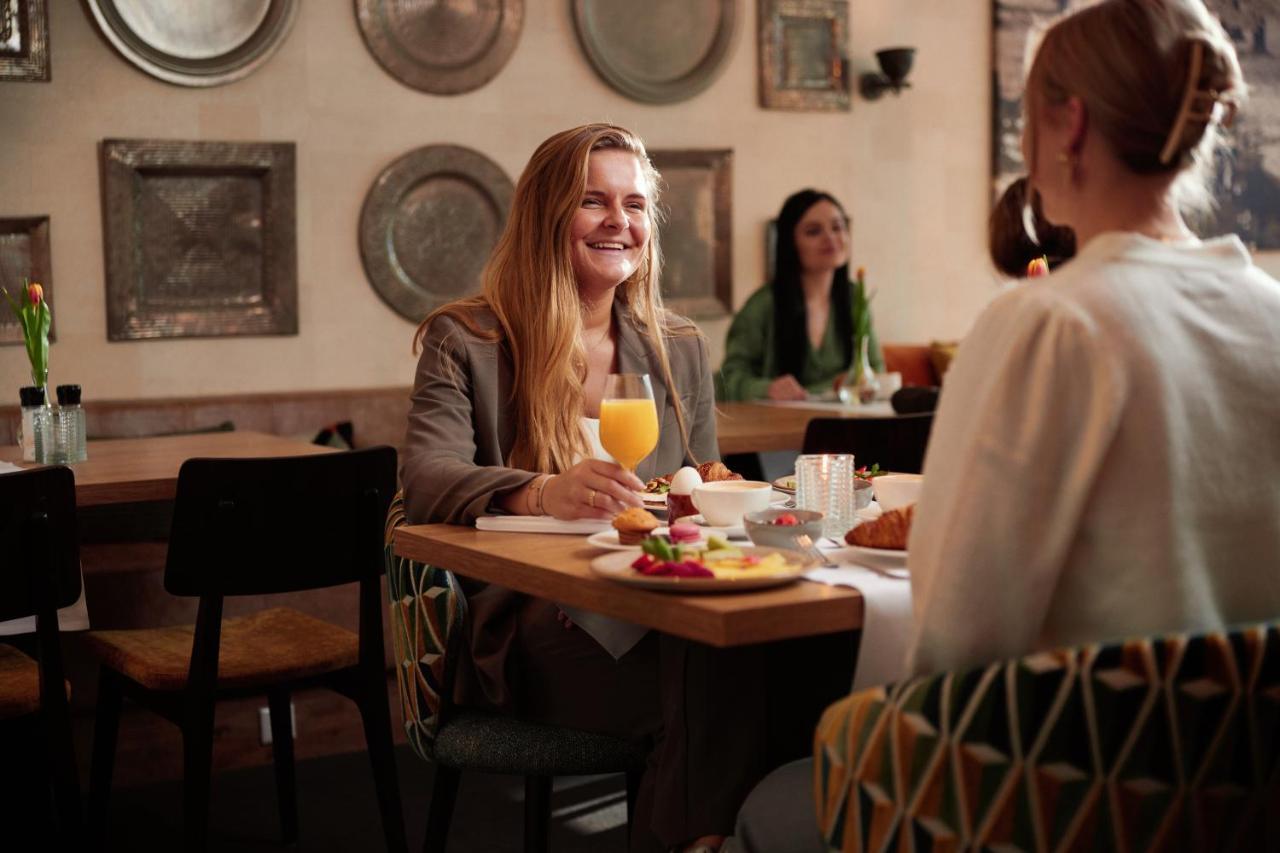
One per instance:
[(441, 47), (697, 241), (199, 238), (804, 54), (24, 254), (657, 51), (24, 40), (195, 44), (428, 225)]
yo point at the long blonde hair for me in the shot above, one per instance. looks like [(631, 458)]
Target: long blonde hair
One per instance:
[(530, 286), (1131, 63)]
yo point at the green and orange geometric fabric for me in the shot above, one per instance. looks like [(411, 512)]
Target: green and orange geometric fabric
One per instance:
[(427, 608), (1169, 743)]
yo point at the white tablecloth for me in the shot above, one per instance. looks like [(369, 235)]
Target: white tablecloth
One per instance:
[(886, 620), (878, 409)]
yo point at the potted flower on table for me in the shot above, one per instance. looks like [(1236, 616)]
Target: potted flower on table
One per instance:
[(35, 319)]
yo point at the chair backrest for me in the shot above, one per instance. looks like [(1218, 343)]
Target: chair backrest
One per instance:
[(895, 444), (1162, 743), (427, 612), (260, 526), (38, 541)]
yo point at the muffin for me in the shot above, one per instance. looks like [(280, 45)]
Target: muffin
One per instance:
[(634, 524)]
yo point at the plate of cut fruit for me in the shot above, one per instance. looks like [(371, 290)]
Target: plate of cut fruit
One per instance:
[(715, 567)]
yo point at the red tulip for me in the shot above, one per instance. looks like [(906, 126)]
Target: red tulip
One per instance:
[(35, 294)]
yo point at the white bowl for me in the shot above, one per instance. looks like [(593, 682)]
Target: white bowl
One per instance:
[(897, 490)]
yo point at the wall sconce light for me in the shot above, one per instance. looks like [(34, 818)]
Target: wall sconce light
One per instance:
[(895, 63)]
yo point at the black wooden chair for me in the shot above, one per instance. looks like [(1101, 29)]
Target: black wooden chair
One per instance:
[(895, 444), (40, 574), (257, 527)]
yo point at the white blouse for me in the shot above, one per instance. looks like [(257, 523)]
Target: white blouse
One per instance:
[(1105, 460)]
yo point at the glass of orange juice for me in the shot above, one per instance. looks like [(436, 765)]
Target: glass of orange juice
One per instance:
[(628, 418)]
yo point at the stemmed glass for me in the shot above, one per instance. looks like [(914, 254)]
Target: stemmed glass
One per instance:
[(628, 418)]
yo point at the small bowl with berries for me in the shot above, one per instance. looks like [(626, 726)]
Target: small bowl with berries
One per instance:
[(780, 528)]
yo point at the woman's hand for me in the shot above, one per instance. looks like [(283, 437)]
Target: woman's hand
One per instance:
[(591, 489), (786, 387)]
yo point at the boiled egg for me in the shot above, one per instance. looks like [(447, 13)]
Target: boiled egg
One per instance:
[(683, 481)]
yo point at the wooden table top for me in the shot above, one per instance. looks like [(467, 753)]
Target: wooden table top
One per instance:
[(123, 470), (757, 427), (555, 567)]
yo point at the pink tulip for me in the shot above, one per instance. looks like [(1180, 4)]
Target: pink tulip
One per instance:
[(35, 294), (1038, 267)]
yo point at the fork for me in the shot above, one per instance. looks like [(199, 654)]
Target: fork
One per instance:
[(896, 574), (803, 541)]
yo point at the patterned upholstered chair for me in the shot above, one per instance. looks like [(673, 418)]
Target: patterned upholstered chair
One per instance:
[(428, 611), (1171, 743), (40, 573)]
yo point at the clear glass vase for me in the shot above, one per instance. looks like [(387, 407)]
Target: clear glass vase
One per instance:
[(860, 384)]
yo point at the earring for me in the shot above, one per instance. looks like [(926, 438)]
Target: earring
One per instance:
[(1070, 163)]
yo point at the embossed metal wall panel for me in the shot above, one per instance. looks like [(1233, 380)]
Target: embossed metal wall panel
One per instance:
[(195, 44), (445, 48), (804, 47), (24, 256), (200, 238), (697, 241), (657, 51), (428, 225), (24, 40)]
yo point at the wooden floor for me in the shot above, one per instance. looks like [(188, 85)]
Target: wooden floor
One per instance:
[(337, 811)]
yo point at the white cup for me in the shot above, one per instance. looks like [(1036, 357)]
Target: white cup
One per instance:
[(897, 490), (724, 502), (889, 383)]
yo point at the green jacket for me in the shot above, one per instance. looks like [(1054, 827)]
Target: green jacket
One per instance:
[(751, 362)]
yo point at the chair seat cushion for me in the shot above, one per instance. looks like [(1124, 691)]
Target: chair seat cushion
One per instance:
[(474, 740), (19, 683), (262, 648)]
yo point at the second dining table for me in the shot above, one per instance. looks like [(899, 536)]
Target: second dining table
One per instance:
[(133, 470), (764, 425)]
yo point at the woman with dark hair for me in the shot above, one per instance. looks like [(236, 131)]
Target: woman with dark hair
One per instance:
[(794, 336), (1013, 246)]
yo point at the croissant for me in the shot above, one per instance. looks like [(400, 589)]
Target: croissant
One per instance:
[(712, 472), (889, 531)]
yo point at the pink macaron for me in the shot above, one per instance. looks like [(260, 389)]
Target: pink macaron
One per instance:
[(682, 532)]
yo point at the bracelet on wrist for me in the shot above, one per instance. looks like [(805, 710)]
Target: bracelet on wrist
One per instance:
[(535, 493)]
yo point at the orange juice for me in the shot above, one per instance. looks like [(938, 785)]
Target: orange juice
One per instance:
[(628, 430)]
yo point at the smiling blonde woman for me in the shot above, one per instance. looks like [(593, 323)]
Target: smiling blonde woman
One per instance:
[(504, 418)]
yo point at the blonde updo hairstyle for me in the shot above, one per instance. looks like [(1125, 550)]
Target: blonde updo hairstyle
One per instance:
[(1158, 79)]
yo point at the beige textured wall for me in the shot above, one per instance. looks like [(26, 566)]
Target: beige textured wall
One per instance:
[(912, 170)]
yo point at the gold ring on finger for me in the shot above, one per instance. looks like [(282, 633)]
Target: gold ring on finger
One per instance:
[(592, 500)]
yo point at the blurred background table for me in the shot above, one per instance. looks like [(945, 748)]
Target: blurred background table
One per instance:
[(126, 470), (762, 426)]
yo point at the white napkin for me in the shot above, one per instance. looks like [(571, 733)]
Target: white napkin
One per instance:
[(74, 617), (886, 619), (9, 468), (541, 524), (614, 636)]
